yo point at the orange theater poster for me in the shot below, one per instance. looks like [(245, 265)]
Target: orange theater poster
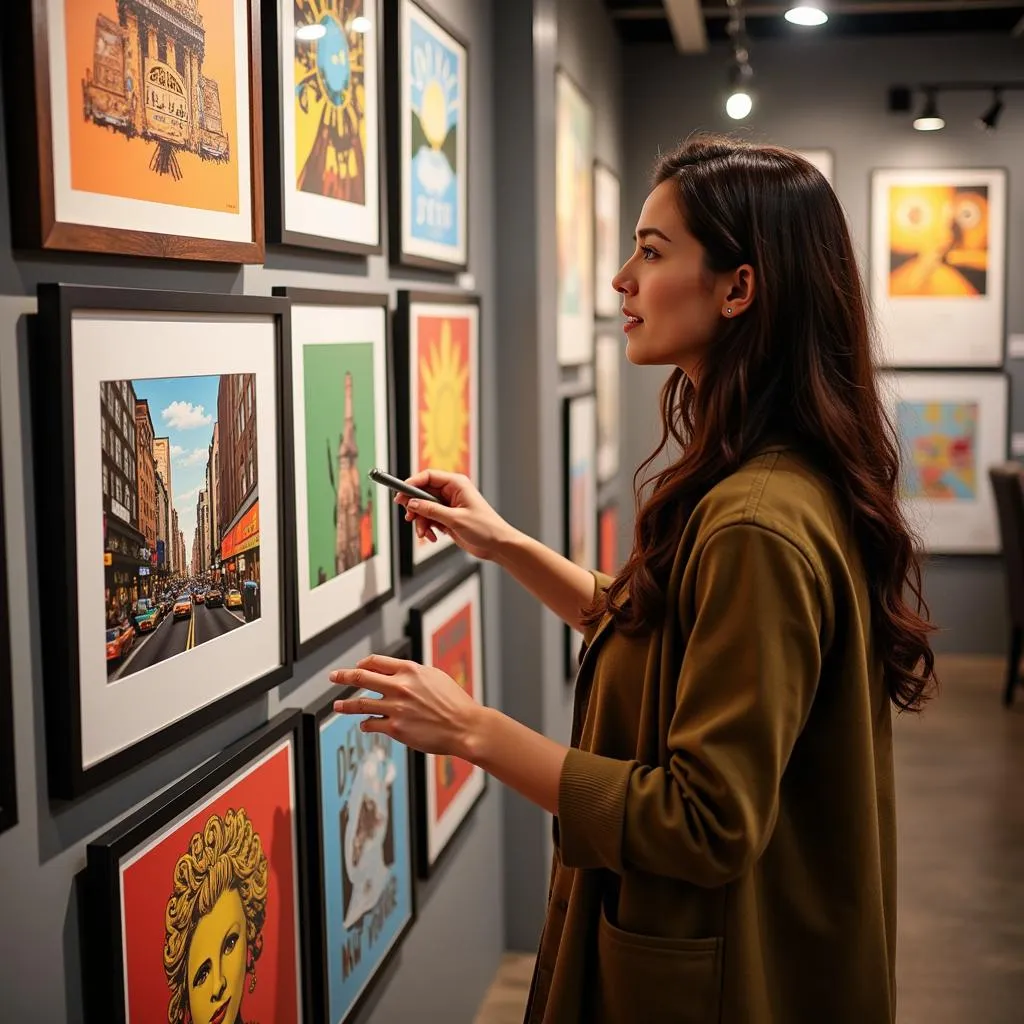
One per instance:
[(210, 917), (443, 399), (152, 100), (453, 654)]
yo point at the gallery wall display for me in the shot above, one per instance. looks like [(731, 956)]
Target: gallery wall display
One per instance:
[(938, 266), (361, 856), (822, 159), (197, 902), (952, 427), (574, 221), (607, 358), (608, 538), (338, 416), (437, 371), (579, 433), (428, 153), (322, 96), (8, 780), (607, 301), (146, 133), (447, 633), (159, 489)]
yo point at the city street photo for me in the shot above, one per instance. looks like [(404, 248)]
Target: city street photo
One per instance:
[(181, 537)]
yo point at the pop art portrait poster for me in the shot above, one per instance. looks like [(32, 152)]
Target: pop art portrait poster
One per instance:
[(205, 923), (938, 266), (340, 429), (951, 427), (438, 354), (329, 100), (151, 109), (365, 856), (430, 163), (447, 634)]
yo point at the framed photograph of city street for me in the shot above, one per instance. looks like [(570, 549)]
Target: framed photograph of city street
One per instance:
[(574, 221), (8, 781), (197, 903), (607, 301), (437, 372), (938, 267), (447, 633), (338, 415), (952, 426), (323, 102), (361, 852), (145, 134), (160, 494), (427, 85)]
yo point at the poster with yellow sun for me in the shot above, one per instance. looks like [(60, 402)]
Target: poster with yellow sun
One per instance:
[(938, 266), (439, 362)]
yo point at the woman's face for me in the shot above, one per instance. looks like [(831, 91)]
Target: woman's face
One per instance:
[(216, 962), (672, 302)]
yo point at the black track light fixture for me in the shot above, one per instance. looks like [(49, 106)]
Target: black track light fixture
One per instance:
[(900, 101), (990, 118), (929, 120)]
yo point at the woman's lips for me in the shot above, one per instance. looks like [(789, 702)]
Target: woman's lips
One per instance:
[(219, 1015)]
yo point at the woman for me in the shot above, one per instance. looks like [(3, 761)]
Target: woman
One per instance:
[(725, 834), (214, 920)]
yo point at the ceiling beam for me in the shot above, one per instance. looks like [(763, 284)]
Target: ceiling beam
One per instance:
[(686, 19)]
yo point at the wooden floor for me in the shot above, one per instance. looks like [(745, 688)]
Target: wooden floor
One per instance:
[(960, 786)]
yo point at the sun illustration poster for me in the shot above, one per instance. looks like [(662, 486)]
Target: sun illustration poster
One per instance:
[(153, 100)]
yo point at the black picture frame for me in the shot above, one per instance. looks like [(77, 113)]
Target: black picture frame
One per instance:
[(8, 770), (102, 940), (394, 92), (341, 300), (403, 421), (274, 138), (313, 715), (414, 629), (54, 426)]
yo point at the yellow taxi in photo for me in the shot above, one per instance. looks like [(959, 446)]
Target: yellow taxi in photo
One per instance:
[(234, 599), (182, 608)]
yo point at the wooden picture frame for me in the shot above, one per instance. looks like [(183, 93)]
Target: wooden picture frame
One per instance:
[(448, 789), (357, 930), (337, 108), (237, 826), (99, 542), (8, 769), (85, 106), (428, 156), (346, 332), (437, 353)]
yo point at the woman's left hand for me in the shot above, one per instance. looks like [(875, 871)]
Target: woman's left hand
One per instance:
[(419, 706)]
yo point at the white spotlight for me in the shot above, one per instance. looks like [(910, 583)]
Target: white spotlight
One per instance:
[(738, 105), (806, 15)]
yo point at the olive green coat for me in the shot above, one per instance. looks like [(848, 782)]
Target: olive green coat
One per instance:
[(725, 836)]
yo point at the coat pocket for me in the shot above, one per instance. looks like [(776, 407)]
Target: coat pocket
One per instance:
[(644, 979)]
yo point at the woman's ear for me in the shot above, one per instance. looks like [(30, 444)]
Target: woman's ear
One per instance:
[(742, 288)]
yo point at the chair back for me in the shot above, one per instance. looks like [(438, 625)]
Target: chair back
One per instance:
[(1008, 487)]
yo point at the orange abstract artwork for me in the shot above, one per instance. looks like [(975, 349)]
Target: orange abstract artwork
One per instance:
[(152, 101), (444, 395)]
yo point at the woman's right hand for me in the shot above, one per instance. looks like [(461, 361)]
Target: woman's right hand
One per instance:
[(466, 517)]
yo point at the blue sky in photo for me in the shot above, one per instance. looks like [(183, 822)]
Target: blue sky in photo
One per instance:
[(183, 409)]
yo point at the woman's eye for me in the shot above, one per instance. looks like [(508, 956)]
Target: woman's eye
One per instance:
[(648, 252), (202, 974), (230, 942)]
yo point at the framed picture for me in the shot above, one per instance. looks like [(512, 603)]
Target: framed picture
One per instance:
[(145, 137), (822, 159), (428, 154), (608, 538), (607, 359), (580, 462), (168, 576), (952, 427), (338, 420), (8, 778), (361, 860), (198, 900), (437, 360), (938, 266), (447, 632), (607, 261), (322, 94), (574, 221)]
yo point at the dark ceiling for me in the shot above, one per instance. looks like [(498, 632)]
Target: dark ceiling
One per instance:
[(644, 21)]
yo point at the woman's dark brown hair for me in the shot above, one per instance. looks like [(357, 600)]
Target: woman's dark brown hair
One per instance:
[(797, 365)]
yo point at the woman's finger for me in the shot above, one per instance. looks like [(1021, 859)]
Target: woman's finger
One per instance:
[(364, 679), (364, 706)]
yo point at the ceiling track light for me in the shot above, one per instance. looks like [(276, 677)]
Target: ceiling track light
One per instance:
[(739, 102), (990, 118), (806, 15), (929, 119)]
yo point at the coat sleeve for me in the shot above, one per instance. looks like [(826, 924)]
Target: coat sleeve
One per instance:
[(748, 677)]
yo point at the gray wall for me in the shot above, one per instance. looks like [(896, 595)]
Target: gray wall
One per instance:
[(450, 956), (536, 36), (832, 94)]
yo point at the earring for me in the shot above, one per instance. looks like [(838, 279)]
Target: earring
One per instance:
[(728, 311)]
